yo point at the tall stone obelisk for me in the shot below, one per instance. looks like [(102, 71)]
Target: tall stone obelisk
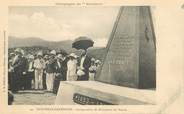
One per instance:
[(130, 58)]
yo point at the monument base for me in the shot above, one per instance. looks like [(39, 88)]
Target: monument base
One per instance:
[(97, 93)]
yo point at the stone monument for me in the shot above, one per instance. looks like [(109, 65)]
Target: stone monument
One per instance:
[(130, 59), (128, 64)]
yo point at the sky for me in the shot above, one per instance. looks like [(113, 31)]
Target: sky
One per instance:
[(55, 23)]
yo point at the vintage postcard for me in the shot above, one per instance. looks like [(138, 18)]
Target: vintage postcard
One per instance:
[(92, 57)]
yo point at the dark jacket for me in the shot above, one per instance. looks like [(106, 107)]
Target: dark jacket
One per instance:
[(87, 63), (18, 65), (58, 68), (63, 69), (50, 66), (24, 64)]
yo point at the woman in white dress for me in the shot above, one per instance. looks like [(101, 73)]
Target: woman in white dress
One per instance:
[(72, 68)]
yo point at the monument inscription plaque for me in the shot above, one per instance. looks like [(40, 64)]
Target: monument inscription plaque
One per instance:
[(130, 58), (85, 100)]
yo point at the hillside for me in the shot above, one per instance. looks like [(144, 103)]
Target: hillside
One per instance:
[(34, 41), (33, 44)]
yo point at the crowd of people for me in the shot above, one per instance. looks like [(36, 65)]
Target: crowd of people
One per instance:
[(46, 71)]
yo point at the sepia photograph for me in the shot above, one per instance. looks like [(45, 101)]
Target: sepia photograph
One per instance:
[(81, 55)]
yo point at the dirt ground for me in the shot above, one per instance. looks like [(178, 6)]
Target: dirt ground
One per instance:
[(32, 97)]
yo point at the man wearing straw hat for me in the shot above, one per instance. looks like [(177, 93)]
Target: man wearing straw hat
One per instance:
[(50, 71), (39, 65), (46, 59), (59, 73), (24, 69)]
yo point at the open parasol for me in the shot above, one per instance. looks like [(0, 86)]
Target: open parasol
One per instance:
[(82, 43)]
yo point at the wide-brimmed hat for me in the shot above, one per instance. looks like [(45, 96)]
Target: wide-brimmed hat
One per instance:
[(97, 61), (39, 54), (73, 55), (53, 52)]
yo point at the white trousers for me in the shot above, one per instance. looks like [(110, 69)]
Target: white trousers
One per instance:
[(50, 81), (38, 78)]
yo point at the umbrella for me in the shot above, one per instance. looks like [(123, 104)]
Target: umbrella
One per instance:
[(82, 43)]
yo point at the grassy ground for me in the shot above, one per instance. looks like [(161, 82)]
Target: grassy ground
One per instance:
[(33, 97)]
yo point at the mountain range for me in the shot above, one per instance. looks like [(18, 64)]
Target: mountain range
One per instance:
[(34, 41), (31, 42)]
